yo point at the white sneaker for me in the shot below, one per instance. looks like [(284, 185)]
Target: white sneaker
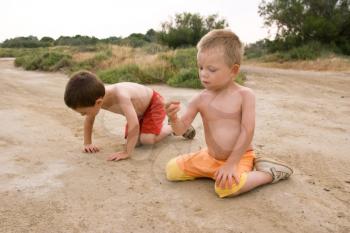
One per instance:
[(277, 169)]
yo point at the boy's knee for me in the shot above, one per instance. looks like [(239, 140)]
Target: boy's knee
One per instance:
[(234, 190), (147, 139), (174, 172)]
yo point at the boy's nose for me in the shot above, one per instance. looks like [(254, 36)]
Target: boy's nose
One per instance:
[(203, 74)]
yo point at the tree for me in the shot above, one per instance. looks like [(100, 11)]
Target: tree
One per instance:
[(302, 21), (48, 41), (77, 40), (187, 29), (23, 42)]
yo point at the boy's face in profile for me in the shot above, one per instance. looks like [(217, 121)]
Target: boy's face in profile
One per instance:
[(214, 72), (90, 111)]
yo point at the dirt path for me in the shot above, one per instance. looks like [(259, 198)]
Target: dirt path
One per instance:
[(47, 185)]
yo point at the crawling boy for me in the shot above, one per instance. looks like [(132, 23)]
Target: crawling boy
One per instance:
[(228, 114), (142, 107)]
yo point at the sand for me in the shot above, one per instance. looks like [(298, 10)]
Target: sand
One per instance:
[(48, 185)]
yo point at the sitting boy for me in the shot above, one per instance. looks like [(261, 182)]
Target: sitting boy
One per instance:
[(142, 107), (228, 114)]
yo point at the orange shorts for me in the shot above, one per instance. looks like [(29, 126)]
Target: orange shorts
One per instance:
[(201, 164), (152, 120)]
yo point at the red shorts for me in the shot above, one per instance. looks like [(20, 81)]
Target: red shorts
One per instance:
[(152, 120)]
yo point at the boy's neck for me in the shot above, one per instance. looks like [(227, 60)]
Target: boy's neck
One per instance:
[(230, 85)]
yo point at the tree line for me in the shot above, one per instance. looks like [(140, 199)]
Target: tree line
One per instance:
[(302, 22), (184, 30), (304, 28)]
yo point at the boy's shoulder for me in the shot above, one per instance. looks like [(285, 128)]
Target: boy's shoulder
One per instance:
[(245, 91), (247, 95)]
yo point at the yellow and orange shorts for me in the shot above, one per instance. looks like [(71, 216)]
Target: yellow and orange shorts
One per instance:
[(201, 164)]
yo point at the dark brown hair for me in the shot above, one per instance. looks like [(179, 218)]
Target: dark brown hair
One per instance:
[(83, 89)]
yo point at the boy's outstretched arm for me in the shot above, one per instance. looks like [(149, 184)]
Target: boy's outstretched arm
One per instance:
[(133, 129), (88, 124), (226, 173), (180, 125)]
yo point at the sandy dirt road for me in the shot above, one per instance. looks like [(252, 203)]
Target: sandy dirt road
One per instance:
[(48, 185)]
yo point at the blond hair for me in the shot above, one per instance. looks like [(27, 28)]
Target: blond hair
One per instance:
[(225, 39)]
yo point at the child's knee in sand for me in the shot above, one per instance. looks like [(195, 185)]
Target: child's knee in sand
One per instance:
[(148, 139), (234, 190), (174, 172)]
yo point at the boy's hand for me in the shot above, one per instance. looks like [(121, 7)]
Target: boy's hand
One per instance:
[(172, 108), (225, 175), (90, 148), (118, 156)]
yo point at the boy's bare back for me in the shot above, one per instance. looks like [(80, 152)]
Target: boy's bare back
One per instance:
[(120, 95)]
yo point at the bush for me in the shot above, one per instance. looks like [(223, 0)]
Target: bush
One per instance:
[(255, 50), (24, 42), (133, 73), (127, 73), (186, 77), (153, 48), (184, 58), (309, 51), (92, 63), (15, 52), (241, 77), (48, 61), (158, 73)]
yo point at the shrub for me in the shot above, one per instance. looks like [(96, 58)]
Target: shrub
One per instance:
[(186, 77), (15, 52), (127, 73), (158, 73), (184, 58), (48, 61), (153, 48)]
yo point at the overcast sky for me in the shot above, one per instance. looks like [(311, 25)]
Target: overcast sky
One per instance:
[(105, 18)]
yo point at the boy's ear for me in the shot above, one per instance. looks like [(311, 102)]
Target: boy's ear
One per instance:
[(99, 101), (235, 69)]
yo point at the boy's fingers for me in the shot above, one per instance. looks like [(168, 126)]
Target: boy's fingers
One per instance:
[(218, 179), (222, 183), (229, 181), (172, 102), (171, 108), (168, 104), (172, 113)]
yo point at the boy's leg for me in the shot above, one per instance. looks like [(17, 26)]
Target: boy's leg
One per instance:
[(245, 166), (267, 171), (175, 173), (191, 166), (252, 180), (148, 138), (275, 168)]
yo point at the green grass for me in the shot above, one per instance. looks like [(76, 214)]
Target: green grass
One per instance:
[(178, 70)]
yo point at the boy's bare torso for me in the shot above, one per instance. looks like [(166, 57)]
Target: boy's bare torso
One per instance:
[(118, 94), (221, 113)]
